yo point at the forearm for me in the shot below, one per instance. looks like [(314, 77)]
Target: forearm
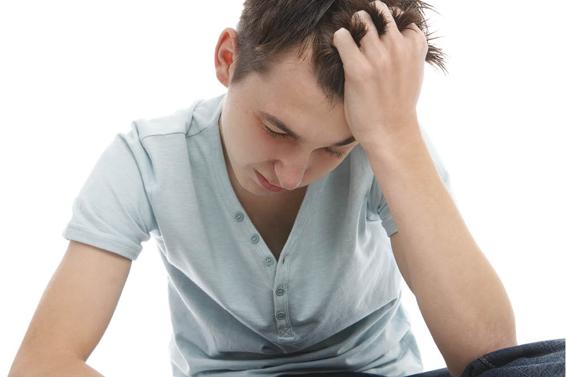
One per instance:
[(461, 298)]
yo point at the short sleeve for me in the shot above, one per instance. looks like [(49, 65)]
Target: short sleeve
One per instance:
[(112, 210), (377, 207)]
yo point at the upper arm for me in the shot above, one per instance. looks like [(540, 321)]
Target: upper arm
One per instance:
[(112, 210), (77, 304)]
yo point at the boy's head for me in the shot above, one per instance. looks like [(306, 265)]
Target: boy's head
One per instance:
[(280, 61), (270, 28)]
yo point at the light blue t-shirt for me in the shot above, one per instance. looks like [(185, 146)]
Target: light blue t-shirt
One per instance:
[(331, 302)]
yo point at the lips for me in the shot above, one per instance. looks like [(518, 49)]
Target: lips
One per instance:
[(271, 183), (271, 186)]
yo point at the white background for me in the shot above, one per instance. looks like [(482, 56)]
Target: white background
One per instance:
[(73, 74)]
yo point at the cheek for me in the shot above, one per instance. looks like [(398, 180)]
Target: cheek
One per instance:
[(254, 145)]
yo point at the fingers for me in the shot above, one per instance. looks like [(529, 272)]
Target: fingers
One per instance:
[(390, 25), (414, 33), (369, 45), (365, 18), (412, 28), (371, 37), (347, 48)]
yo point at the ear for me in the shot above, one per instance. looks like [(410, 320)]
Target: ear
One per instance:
[(225, 54)]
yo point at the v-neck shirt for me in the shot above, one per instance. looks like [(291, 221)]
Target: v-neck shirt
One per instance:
[(332, 302)]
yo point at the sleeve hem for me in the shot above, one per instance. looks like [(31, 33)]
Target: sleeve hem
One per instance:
[(112, 245), (390, 228), (389, 224)]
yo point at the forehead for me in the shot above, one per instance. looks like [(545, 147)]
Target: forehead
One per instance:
[(295, 79), (290, 91)]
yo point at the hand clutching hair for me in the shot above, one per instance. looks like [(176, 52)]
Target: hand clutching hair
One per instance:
[(383, 76)]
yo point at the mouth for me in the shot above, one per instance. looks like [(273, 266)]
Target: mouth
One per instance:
[(265, 183)]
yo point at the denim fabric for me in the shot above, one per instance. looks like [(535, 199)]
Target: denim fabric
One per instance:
[(538, 359)]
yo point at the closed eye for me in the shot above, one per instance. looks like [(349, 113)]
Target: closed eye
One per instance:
[(274, 134)]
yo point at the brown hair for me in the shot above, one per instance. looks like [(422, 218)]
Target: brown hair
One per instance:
[(268, 29)]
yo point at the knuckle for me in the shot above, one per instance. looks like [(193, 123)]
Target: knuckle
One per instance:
[(416, 37), (360, 14), (378, 4), (338, 35), (397, 9), (421, 34), (422, 42), (339, 32)]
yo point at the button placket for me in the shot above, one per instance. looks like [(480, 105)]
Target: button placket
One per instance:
[(268, 261), (283, 330), (254, 238), (239, 216), (281, 306)]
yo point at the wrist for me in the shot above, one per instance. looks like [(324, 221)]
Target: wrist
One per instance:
[(398, 141)]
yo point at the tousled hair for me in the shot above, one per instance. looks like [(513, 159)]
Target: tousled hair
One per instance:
[(268, 29)]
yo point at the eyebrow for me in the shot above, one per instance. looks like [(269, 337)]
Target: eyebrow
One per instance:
[(277, 122)]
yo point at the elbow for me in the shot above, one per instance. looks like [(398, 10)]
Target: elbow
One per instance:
[(57, 367), (30, 364), (458, 363), (19, 366), (22, 368)]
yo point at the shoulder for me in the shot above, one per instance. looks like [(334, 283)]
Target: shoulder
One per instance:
[(178, 122), (187, 121)]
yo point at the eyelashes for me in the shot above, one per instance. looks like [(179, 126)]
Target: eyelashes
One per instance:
[(277, 134)]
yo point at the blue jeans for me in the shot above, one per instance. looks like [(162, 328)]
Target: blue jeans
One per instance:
[(539, 359)]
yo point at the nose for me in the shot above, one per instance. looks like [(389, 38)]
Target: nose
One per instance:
[(290, 170)]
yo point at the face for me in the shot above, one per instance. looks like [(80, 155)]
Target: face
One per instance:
[(255, 114)]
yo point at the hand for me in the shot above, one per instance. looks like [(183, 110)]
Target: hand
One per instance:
[(383, 78)]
